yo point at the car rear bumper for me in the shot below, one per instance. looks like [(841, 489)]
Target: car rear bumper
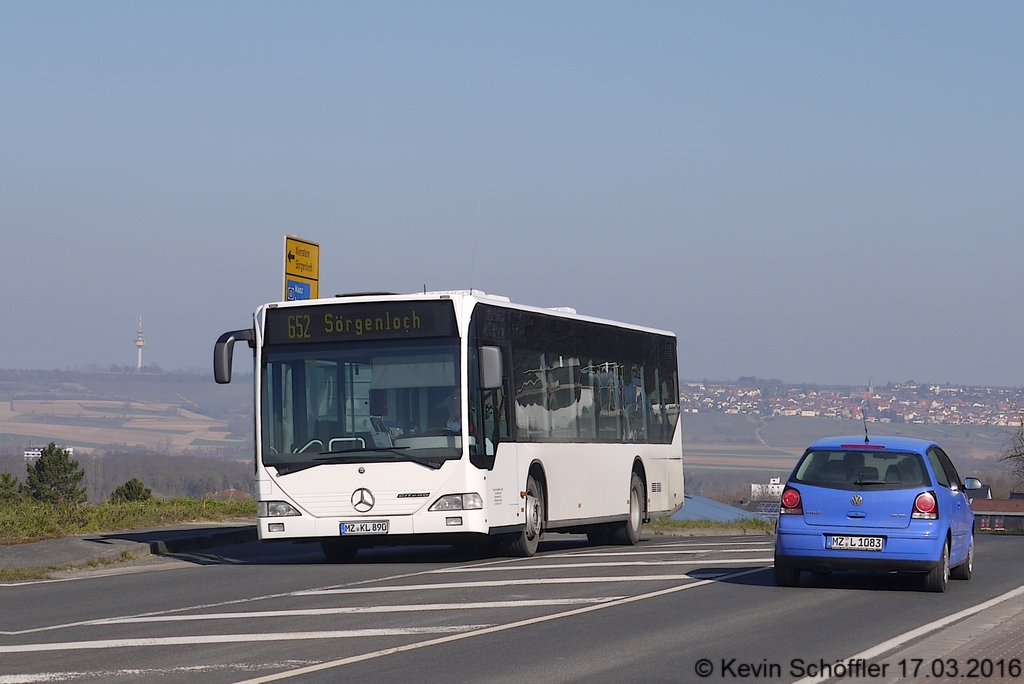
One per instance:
[(914, 549), (830, 563)]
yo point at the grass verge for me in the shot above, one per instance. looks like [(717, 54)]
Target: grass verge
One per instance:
[(748, 526), (28, 521), (45, 572)]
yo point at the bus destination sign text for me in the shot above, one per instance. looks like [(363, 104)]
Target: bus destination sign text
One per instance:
[(351, 322)]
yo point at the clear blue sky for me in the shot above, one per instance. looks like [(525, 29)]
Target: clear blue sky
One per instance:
[(818, 192)]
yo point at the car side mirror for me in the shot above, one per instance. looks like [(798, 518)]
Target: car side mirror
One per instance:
[(490, 368), (972, 483)]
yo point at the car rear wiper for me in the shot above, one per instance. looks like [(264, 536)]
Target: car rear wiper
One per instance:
[(336, 456)]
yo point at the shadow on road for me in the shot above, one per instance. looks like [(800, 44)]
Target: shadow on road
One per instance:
[(189, 538), (240, 546), (848, 580)]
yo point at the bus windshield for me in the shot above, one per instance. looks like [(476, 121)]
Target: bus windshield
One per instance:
[(361, 402)]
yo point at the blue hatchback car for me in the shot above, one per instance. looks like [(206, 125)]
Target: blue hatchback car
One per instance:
[(887, 504)]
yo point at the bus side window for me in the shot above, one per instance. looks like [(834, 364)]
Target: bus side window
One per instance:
[(634, 399)]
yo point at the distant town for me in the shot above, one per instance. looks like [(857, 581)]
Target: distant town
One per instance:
[(906, 402)]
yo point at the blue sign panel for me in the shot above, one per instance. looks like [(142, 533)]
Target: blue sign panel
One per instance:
[(297, 290)]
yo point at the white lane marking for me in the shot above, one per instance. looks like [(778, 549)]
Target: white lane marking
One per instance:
[(760, 539), (897, 641), (498, 583), (675, 545), (358, 610), (680, 552), (608, 564), (102, 644), (218, 604), (35, 677), (484, 584), (487, 630)]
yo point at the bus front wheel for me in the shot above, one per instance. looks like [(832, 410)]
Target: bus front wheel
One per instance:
[(628, 532), (525, 543)]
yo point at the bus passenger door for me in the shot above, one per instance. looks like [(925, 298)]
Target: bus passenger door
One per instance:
[(492, 448), (501, 453)]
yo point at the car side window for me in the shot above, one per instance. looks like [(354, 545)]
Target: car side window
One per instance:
[(937, 467), (947, 465)]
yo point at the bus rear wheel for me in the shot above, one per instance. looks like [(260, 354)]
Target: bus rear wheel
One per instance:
[(628, 532), (525, 543)]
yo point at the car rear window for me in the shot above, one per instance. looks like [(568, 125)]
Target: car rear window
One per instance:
[(862, 469)]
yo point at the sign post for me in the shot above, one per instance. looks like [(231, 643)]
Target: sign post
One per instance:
[(301, 269)]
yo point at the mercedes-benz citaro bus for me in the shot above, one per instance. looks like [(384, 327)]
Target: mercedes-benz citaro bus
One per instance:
[(457, 417)]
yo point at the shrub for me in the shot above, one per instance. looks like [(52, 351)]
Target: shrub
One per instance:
[(132, 490), (9, 488), (54, 478)]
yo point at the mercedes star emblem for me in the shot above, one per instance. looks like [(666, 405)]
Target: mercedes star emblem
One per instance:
[(362, 500), (856, 499)]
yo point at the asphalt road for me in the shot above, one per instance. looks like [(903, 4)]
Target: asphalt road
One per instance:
[(573, 613)]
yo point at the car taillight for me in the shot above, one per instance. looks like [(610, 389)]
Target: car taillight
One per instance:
[(925, 507), (791, 504)]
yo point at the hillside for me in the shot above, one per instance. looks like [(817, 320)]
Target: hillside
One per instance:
[(166, 413), (179, 412), (719, 441)]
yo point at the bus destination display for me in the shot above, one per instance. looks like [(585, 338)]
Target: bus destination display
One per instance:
[(352, 322)]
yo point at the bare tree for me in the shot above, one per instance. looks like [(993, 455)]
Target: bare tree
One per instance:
[(1013, 453)]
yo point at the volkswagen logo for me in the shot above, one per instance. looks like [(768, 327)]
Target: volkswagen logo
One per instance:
[(856, 499), (362, 500)]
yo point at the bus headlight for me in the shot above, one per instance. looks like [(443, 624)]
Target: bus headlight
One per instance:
[(458, 502), (275, 509)]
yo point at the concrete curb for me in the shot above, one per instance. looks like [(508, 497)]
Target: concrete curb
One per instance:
[(86, 550)]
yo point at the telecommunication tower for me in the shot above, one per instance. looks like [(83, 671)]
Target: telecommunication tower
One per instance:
[(140, 342)]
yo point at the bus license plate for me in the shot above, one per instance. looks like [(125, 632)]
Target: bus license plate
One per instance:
[(367, 527), (857, 543)]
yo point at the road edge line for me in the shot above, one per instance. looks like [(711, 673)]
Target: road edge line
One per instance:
[(897, 641)]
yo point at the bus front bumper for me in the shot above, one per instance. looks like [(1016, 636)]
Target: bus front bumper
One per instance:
[(369, 526)]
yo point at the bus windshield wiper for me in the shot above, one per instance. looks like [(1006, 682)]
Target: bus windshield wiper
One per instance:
[(338, 457), (356, 451)]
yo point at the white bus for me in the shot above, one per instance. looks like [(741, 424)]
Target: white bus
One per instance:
[(449, 417)]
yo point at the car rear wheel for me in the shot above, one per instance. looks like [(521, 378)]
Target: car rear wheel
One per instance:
[(786, 575), (964, 570), (938, 577)]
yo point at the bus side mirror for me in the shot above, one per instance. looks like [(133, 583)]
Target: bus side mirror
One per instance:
[(490, 368), (224, 350)]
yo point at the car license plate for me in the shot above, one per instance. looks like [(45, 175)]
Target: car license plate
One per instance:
[(856, 543), (367, 527)]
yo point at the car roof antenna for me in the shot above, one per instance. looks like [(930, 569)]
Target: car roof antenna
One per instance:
[(864, 417)]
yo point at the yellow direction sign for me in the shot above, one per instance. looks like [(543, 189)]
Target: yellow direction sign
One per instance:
[(301, 269)]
